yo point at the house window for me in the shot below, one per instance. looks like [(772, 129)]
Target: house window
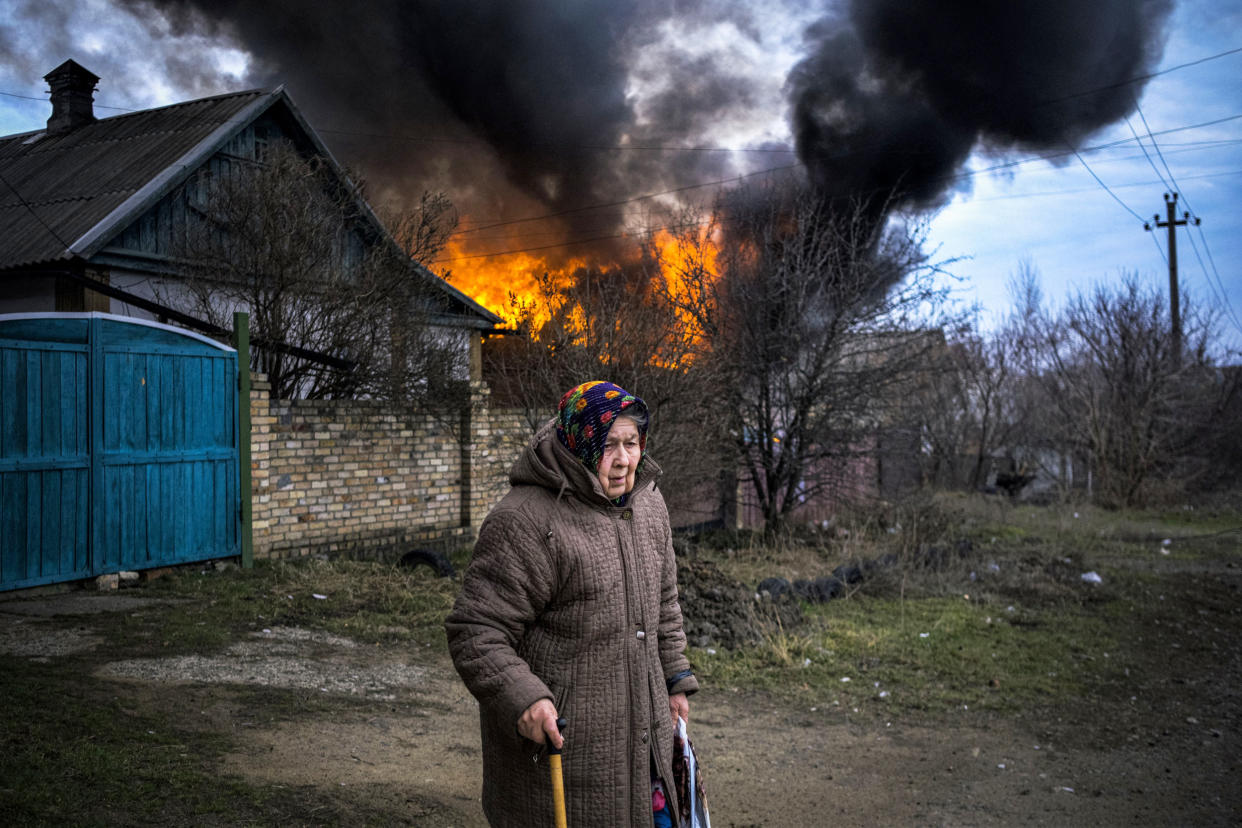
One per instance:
[(261, 140)]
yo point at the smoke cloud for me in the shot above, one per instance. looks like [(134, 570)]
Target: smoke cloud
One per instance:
[(520, 107), (895, 95)]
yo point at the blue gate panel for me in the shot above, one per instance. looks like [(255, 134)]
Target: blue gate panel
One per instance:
[(169, 452), (44, 459), (43, 535), (118, 448), (159, 513)]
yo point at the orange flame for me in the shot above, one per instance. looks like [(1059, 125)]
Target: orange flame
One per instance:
[(493, 281), (685, 260)]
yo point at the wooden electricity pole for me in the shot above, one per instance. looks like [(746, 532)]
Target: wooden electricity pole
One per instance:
[(1173, 222)]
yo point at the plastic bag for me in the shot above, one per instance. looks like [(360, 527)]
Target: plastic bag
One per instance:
[(688, 779)]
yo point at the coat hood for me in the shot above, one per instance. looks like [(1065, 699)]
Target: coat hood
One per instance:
[(546, 462)]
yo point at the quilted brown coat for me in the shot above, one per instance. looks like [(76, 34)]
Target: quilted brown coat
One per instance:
[(571, 598)]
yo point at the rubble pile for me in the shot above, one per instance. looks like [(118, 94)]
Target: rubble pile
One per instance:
[(719, 611)]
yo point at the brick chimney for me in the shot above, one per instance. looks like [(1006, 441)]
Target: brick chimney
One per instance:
[(73, 93)]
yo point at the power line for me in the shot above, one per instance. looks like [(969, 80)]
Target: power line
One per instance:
[(1177, 149), (500, 223), (965, 174), (1217, 287), (1224, 295), (1139, 78), (615, 236), (1010, 197), (946, 179), (1080, 190), (1214, 142), (32, 98), (1206, 275), (1160, 154), (30, 209), (1008, 165), (1154, 168), (1099, 181), (670, 148), (624, 201), (1164, 258), (1096, 148), (1230, 313)]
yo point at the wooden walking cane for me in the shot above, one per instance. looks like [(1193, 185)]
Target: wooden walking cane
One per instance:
[(558, 782)]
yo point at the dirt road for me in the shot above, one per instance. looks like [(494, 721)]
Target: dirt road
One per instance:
[(768, 765), (343, 733)]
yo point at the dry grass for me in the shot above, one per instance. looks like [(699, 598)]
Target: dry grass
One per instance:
[(1009, 610)]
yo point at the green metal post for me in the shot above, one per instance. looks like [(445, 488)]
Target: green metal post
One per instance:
[(241, 336)]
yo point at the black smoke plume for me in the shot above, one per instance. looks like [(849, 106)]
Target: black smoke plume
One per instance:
[(513, 106), (895, 94), (518, 107)]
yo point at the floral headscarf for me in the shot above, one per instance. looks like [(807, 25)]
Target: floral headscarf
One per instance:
[(586, 414)]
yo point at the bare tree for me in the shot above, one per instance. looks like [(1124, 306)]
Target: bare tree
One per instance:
[(615, 324), (1115, 392), (423, 230), (819, 321), (337, 308), (969, 409)]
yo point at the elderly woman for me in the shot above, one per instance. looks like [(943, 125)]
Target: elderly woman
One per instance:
[(569, 608)]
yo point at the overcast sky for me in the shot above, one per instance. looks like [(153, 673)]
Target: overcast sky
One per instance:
[(523, 109)]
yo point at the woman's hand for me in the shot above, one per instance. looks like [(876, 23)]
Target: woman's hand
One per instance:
[(538, 723), (678, 705)]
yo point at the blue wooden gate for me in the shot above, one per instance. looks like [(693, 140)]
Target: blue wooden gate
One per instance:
[(118, 447)]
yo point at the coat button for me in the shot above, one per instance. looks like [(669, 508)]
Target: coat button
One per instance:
[(641, 634), (644, 737), (627, 514)]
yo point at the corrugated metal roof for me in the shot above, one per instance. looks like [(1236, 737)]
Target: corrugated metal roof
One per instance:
[(60, 187)]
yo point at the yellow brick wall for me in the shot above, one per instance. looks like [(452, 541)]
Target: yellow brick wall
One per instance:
[(365, 479)]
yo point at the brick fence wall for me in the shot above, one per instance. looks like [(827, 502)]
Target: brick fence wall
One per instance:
[(366, 479)]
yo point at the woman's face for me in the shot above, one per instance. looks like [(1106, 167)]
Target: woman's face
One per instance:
[(622, 451)]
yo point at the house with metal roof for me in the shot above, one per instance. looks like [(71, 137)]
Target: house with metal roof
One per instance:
[(89, 206)]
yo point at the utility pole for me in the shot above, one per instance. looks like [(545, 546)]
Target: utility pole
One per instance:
[(1173, 222)]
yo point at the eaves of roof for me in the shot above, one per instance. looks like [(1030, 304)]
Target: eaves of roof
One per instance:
[(490, 319), (471, 307)]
